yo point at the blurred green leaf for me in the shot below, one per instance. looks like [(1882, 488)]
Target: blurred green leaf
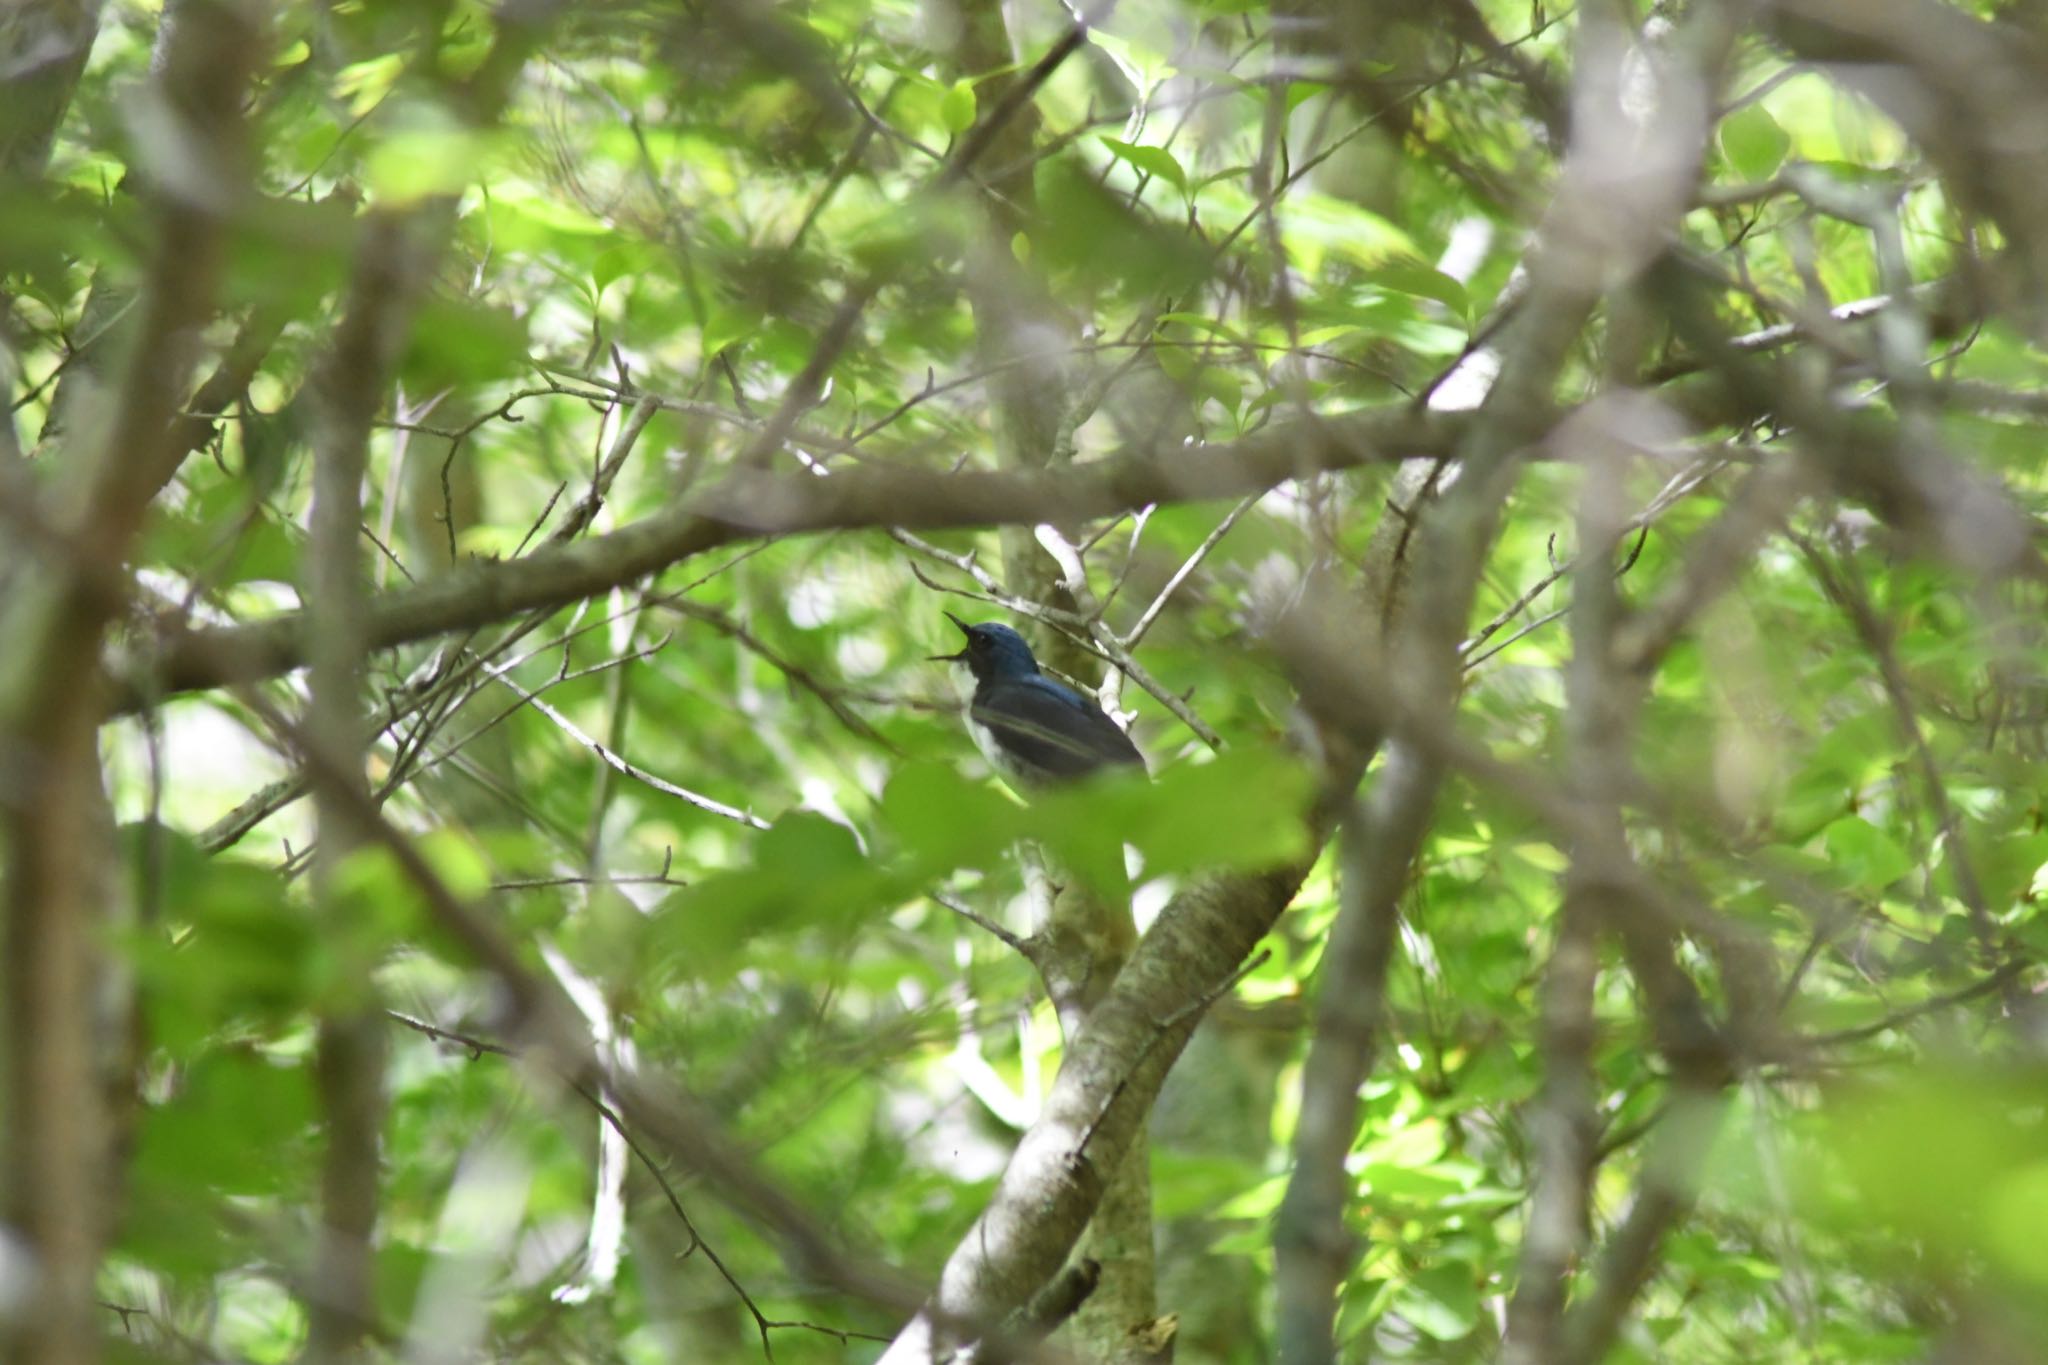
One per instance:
[(1949, 1155), (946, 821), (236, 1126), (1156, 161), (1095, 234), (1441, 1302), (956, 107), (428, 152), (1753, 142), (1413, 277), (1863, 856), (459, 343)]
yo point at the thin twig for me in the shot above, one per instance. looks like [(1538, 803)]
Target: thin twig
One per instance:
[(1145, 619), (575, 732)]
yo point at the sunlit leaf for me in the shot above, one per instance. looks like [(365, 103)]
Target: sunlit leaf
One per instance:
[(1753, 142), (1152, 160), (956, 107)]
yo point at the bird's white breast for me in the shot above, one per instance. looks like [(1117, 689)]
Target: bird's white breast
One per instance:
[(984, 738)]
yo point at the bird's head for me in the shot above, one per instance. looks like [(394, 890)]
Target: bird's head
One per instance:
[(992, 650)]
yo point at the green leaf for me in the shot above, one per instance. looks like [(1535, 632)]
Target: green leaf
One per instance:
[(265, 550), (1203, 322), (401, 1269), (365, 84), (1409, 1184), (1441, 1302), (724, 327), (1213, 381), (805, 844), (945, 821), (1318, 225), (611, 264), (1299, 92), (608, 936), (1753, 142), (956, 107), (456, 342), (1863, 856), (808, 872), (915, 106), (2017, 1210), (1156, 161), (1095, 234), (2007, 868), (1422, 281), (1086, 826), (289, 255), (235, 950), (1243, 809), (234, 1127), (1949, 1154), (428, 153)]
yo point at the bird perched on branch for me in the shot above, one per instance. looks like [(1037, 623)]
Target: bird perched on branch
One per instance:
[(1033, 728)]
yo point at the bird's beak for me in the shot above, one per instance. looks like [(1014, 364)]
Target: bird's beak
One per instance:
[(952, 658)]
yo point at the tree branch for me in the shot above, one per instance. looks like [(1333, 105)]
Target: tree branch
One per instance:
[(1107, 1081), (1313, 1248), (753, 506), (348, 1066)]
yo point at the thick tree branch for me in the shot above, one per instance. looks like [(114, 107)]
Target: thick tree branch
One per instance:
[(347, 390), (46, 43), (52, 694), (757, 506), (1105, 1088)]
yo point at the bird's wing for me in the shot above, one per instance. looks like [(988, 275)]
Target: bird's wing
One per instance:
[(1052, 728)]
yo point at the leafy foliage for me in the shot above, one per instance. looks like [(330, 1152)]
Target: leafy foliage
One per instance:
[(707, 784)]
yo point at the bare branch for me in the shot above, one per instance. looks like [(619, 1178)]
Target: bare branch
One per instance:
[(1313, 1248), (348, 1068), (571, 729)]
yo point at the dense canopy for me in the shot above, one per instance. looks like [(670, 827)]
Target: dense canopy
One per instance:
[(492, 870)]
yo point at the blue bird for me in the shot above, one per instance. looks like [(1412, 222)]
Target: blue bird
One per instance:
[(1032, 728)]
